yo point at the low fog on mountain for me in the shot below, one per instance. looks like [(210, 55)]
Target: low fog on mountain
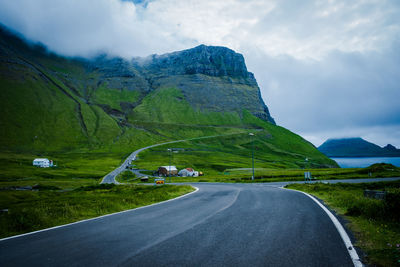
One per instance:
[(325, 69)]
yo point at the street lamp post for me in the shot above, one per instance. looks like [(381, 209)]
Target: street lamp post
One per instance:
[(169, 167), (252, 154)]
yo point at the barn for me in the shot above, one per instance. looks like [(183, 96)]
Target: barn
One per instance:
[(167, 170)]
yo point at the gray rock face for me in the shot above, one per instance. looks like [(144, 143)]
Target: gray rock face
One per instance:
[(211, 78), (208, 60), (118, 73)]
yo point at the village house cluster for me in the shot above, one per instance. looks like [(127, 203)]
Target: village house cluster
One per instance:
[(173, 171), (43, 163)]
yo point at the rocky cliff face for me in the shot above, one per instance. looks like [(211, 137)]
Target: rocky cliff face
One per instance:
[(211, 78), (207, 81), (208, 60)]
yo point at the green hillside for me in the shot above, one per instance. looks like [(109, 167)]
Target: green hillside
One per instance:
[(75, 111), (168, 105)]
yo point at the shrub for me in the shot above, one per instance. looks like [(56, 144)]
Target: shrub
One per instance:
[(379, 167), (377, 209), (42, 187)]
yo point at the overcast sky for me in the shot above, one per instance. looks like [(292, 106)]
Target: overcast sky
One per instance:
[(326, 69)]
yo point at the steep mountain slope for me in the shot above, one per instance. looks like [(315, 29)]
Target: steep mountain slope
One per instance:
[(210, 78), (51, 103), (356, 147)]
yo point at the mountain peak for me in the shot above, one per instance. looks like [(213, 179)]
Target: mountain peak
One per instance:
[(217, 61), (355, 147), (344, 139), (390, 147), (209, 79)]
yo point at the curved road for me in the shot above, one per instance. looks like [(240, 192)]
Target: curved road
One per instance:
[(110, 178), (219, 225)]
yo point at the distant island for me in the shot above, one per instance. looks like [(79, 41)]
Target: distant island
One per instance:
[(356, 147)]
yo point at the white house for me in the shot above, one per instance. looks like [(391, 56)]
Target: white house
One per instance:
[(188, 172), (43, 163)]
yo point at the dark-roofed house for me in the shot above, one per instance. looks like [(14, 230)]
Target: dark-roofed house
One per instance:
[(167, 170)]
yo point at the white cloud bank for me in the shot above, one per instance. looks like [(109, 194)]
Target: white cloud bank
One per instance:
[(325, 68)]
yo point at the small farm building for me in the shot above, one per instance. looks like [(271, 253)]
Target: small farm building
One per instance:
[(188, 172), (43, 163), (167, 170)]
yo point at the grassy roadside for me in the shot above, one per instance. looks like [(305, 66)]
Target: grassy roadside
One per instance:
[(46, 206), (73, 169), (263, 175), (375, 223), (229, 159), (126, 177)]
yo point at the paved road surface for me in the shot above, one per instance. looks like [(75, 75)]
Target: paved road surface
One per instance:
[(220, 225)]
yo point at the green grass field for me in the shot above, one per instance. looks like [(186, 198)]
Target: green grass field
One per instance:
[(68, 192), (229, 158), (126, 177), (73, 169), (376, 223), (48, 206), (265, 175), (275, 175)]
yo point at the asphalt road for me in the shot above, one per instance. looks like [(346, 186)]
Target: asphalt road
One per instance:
[(220, 225)]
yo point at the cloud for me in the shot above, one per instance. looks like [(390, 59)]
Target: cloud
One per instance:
[(341, 95), (306, 29), (325, 68), (86, 28), (343, 88)]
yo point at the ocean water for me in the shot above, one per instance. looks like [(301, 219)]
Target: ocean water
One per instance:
[(365, 162)]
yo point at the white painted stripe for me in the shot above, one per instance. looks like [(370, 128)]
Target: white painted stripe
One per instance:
[(346, 239), (96, 218)]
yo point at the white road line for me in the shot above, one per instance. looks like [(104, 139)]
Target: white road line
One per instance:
[(346, 239), (96, 218)]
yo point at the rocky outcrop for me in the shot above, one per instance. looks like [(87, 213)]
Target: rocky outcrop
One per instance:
[(212, 78), (208, 60), (118, 73)]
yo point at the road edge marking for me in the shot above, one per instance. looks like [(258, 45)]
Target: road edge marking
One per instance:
[(339, 227), (99, 217)]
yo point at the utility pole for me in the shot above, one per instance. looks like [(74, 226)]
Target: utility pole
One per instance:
[(169, 167), (252, 154)]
